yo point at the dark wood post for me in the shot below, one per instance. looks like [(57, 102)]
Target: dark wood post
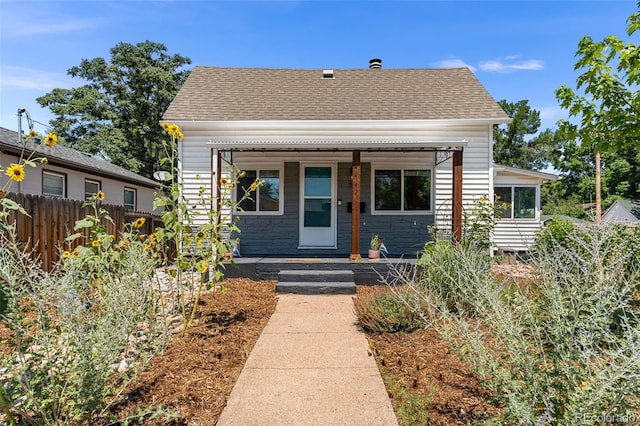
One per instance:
[(457, 198), (355, 207)]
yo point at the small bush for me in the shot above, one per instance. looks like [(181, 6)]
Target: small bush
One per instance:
[(386, 312)]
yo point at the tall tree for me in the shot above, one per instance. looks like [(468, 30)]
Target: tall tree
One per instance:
[(516, 143), (608, 107), (118, 112)]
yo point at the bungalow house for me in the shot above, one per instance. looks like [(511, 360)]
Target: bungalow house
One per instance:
[(74, 175), (345, 154)]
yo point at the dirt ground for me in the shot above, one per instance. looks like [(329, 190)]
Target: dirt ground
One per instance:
[(196, 373)]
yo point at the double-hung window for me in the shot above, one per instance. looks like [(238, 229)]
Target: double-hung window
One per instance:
[(404, 190), (515, 202), (267, 197), (91, 187), (54, 184), (130, 198)]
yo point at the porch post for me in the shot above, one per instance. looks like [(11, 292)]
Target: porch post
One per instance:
[(218, 175), (456, 224), (355, 207)]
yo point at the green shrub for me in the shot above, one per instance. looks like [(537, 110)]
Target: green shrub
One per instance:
[(386, 312), (566, 350)]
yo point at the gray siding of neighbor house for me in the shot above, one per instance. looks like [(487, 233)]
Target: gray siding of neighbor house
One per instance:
[(404, 235)]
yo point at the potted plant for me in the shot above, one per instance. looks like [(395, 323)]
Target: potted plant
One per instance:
[(374, 247)]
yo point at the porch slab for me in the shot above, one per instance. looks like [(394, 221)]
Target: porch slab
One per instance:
[(365, 272)]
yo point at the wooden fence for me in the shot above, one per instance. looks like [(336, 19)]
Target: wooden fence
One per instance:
[(50, 220)]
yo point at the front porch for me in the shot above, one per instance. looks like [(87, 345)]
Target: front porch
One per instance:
[(365, 272)]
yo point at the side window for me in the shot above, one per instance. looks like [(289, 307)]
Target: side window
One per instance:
[(54, 184), (130, 197), (515, 202), (402, 190), (91, 187)]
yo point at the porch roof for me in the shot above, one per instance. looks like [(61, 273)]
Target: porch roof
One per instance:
[(263, 94)]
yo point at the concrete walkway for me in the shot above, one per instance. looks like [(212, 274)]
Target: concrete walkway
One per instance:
[(310, 366)]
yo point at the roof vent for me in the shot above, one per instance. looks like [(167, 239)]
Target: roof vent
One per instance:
[(327, 73), (375, 63)]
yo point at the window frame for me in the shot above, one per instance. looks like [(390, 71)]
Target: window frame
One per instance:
[(512, 204), (402, 169), (64, 183), (89, 195), (257, 212), (135, 198)]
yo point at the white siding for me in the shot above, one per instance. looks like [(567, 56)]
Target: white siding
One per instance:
[(198, 170), (515, 235), (476, 176)]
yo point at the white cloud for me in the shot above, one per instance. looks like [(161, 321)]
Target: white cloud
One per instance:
[(23, 28), (32, 79), (507, 64), (453, 63)]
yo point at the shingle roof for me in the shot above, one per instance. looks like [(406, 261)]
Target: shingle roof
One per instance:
[(71, 157), (230, 94)]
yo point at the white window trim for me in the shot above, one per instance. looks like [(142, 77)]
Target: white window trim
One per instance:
[(535, 207), (86, 194), (402, 168), (258, 168), (64, 183), (135, 198)]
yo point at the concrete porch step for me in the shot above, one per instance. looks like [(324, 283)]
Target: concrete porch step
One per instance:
[(291, 275), (316, 282), (316, 288)]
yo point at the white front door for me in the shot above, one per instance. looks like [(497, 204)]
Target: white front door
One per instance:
[(317, 201)]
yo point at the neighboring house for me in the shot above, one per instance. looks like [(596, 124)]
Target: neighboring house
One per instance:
[(518, 197), (72, 174), (410, 147), (623, 212)]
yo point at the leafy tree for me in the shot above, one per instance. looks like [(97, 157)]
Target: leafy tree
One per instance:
[(515, 143), (609, 104), (117, 113)]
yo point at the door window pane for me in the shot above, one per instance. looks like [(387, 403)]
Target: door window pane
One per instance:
[(317, 181), (388, 189), (317, 213), (417, 190)]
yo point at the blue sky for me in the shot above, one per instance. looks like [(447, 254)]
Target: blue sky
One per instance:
[(517, 49)]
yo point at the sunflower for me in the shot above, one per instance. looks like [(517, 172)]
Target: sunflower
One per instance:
[(165, 126), (95, 243), (16, 172), (223, 181), (203, 266), (66, 254), (100, 195), (51, 140), (32, 134), (2, 194), (139, 222), (75, 252)]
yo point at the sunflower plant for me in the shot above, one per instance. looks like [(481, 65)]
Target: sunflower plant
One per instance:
[(198, 233), (15, 172)]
